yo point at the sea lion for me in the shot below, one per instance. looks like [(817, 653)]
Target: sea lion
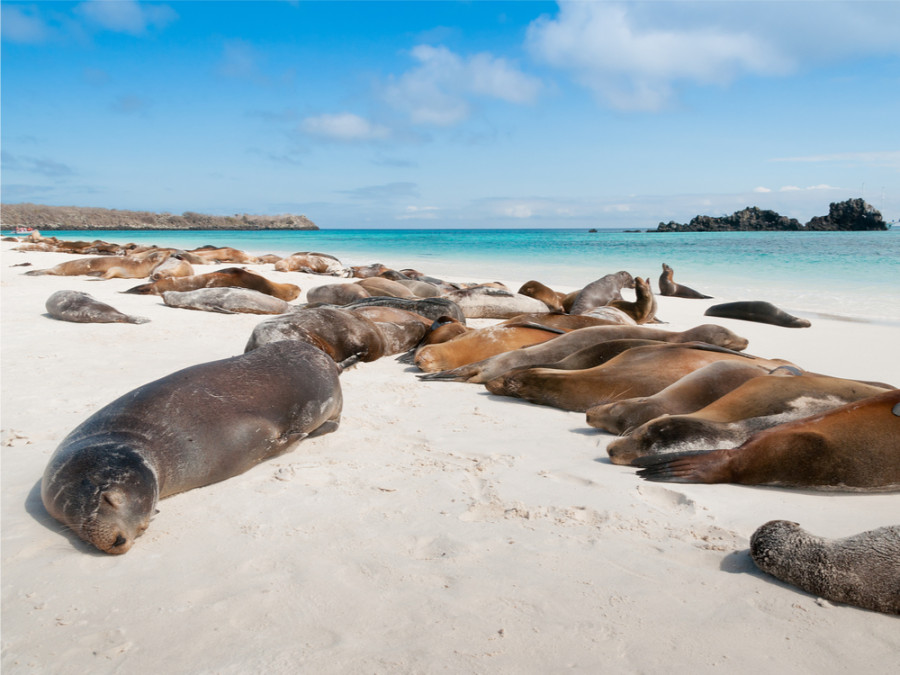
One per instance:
[(402, 330), (192, 428), (311, 263), (230, 276), (343, 335), (668, 287), (850, 448), (367, 271), (537, 290), (81, 307), (226, 300), (172, 267), (385, 288), (558, 348), (756, 310), (336, 294), (475, 345), (489, 302), (861, 570), (125, 267), (430, 308), (611, 316), (225, 254), (757, 404), (421, 289), (642, 371), (643, 309), (601, 292)]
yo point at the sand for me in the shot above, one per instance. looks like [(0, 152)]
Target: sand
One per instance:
[(440, 529)]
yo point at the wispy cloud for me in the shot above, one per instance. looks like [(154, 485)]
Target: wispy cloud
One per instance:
[(126, 16), (437, 91), (22, 24), (130, 104), (888, 158), (635, 65), (39, 165), (387, 191), (345, 127), (419, 213)]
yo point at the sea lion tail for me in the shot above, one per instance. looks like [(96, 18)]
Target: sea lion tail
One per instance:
[(684, 467), (36, 273)]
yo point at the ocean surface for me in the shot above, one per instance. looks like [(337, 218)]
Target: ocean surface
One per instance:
[(853, 275)]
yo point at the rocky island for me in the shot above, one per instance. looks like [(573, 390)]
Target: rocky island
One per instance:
[(849, 215), (50, 218)]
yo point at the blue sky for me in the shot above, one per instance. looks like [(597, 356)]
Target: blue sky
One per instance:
[(452, 114)]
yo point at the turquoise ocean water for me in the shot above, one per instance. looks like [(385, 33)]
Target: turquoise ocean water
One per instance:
[(848, 274)]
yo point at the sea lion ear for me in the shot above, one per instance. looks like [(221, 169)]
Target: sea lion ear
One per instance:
[(113, 497)]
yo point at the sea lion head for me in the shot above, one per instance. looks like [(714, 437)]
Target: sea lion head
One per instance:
[(106, 495)]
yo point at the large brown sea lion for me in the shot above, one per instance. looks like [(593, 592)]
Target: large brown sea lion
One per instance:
[(668, 287), (430, 308), (124, 267), (850, 448), (192, 428), (861, 570), (535, 289), (562, 346), (224, 254), (642, 371), (692, 392), (756, 310), (385, 288), (601, 292), (759, 403), (643, 309), (81, 307), (231, 276), (336, 294)]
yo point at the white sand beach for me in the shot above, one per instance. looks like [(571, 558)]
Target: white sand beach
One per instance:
[(439, 529)]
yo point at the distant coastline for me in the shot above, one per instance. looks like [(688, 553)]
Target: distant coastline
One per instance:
[(50, 218), (852, 215)]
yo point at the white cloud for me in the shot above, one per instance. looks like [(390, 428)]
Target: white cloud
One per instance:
[(633, 64), (419, 213), (126, 16), (761, 190), (436, 91), (789, 188), (887, 158), (22, 24), (345, 127)]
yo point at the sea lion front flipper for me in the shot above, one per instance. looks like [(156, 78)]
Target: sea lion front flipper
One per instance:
[(704, 466)]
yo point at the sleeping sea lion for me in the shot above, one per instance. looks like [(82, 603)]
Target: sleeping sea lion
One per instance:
[(230, 276), (226, 300), (756, 310), (81, 307)]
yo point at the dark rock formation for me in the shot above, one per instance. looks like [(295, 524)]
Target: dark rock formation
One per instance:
[(850, 215), (42, 217), (853, 214)]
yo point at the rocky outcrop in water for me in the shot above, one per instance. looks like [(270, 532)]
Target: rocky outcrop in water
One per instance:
[(50, 218), (850, 215)]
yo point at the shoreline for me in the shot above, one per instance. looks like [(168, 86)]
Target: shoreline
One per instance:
[(440, 527)]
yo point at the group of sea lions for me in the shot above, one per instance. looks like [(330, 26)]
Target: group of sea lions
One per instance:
[(689, 406)]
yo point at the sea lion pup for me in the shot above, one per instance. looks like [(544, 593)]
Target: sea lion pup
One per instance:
[(668, 287), (225, 300), (173, 266), (336, 294), (346, 337), (385, 288), (430, 308), (559, 348), (643, 309), (126, 267), (850, 448), (760, 403), (686, 395), (311, 263), (81, 307), (475, 345), (756, 310), (226, 254), (861, 570), (537, 290), (230, 276), (641, 371), (489, 302), (601, 292), (192, 428)]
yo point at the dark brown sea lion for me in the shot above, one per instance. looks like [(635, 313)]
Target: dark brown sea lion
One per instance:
[(692, 392), (340, 333), (125, 267), (668, 287), (537, 290), (231, 276), (562, 346), (601, 292), (850, 448), (430, 308), (226, 300), (475, 345), (756, 310), (81, 307), (861, 570), (757, 404), (402, 330), (643, 309), (311, 263), (192, 428), (642, 371)]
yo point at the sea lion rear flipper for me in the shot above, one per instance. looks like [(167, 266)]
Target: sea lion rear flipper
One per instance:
[(461, 374)]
